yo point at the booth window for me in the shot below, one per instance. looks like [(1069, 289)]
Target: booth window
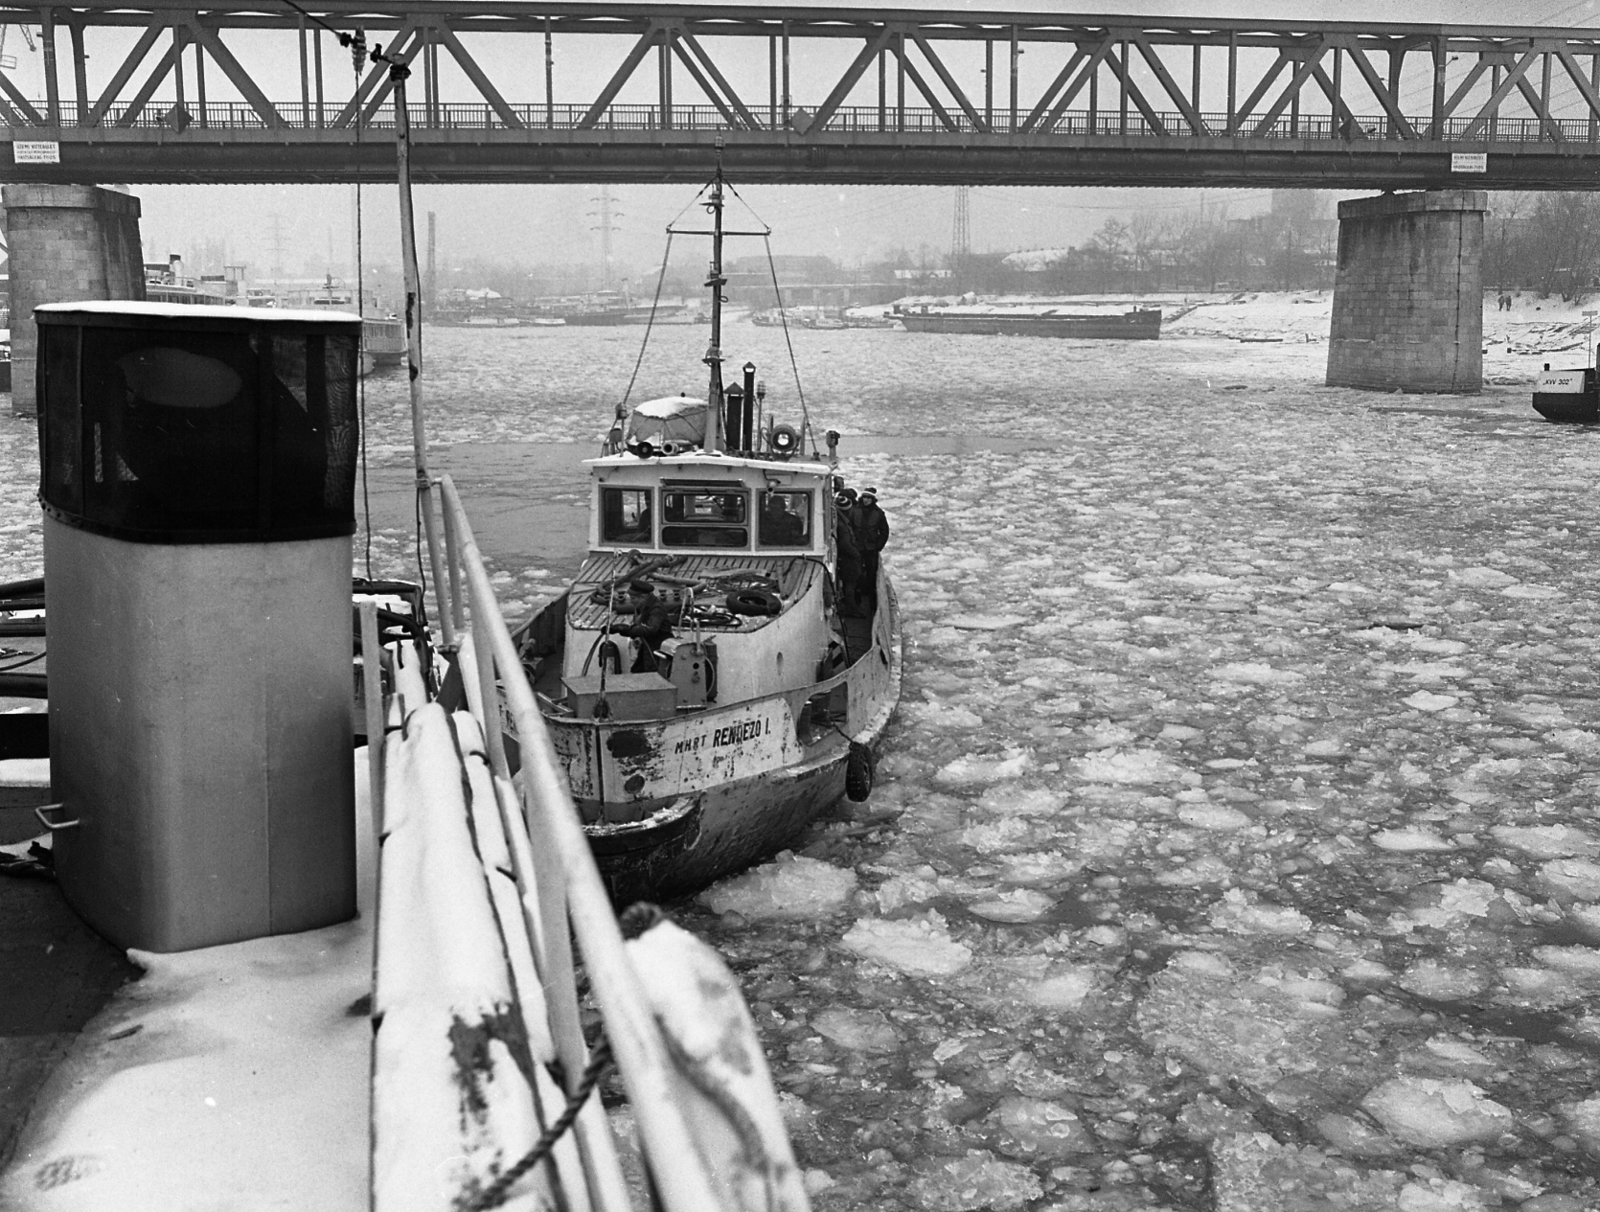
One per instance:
[(705, 516), (785, 519), (181, 435), (625, 516)]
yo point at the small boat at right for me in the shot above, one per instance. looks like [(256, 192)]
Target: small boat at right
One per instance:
[(1139, 324), (1567, 395)]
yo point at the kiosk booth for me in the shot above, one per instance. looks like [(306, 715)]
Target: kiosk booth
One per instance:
[(197, 478)]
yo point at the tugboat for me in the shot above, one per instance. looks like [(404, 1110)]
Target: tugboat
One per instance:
[(1567, 395), (693, 755)]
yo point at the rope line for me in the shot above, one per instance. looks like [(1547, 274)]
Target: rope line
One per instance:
[(783, 315), (497, 1192), (649, 324)]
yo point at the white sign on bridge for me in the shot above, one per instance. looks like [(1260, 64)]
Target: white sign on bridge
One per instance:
[(23, 152), (1469, 162)]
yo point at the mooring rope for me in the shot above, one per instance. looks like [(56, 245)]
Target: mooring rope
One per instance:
[(497, 1192)]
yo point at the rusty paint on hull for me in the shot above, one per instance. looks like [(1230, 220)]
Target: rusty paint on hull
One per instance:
[(733, 825)]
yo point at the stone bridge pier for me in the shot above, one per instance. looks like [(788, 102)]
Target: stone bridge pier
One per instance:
[(1408, 299), (67, 242)]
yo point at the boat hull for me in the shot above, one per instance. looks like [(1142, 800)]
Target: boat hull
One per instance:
[(1567, 395), (672, 805), (719, 830), (1129, 326)]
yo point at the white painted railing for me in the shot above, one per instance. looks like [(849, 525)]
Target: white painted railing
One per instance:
[(485, 881)]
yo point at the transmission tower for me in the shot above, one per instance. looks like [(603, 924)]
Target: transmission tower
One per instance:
[(607, 216), (276, 247), (961, 229)]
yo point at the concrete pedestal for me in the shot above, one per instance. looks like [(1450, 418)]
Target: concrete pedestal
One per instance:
[(1408, 300), (67, 242)]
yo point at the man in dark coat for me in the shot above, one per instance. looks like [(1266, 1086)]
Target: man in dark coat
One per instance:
[(652, 626), (849, 545), (872, 528)]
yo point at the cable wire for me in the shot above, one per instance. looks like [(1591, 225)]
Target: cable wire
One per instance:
[(649, 324)]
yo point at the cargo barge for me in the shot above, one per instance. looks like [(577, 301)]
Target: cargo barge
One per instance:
[(1140, 324), (1567, 395)]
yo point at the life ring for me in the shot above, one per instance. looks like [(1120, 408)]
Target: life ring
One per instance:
[(785, 440), (643, 449), (754, 601), (859, 769), (711, 616)]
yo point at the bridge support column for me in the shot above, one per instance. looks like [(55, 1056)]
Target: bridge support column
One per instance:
[(67, 242), (1408, 299)]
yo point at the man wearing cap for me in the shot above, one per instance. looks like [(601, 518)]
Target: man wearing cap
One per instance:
[(652, 628), (872, 528), (849, 545)]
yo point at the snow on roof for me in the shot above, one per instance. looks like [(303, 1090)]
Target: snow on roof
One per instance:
[(1034, 258), (198, 311), (670, 406)]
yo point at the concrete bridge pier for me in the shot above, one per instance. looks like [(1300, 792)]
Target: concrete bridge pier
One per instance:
[(67, 242), (1408, 299)]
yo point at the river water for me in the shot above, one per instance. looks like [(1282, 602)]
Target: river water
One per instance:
[(1235, 844)]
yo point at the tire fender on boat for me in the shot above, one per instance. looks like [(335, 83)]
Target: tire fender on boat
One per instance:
[(754, 601), (860, 770), (785, 440)]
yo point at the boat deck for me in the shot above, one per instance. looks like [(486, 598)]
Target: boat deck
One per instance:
[(795, 576)]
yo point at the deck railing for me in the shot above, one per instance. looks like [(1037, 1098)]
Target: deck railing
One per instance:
[(559, 898), (858, 119)]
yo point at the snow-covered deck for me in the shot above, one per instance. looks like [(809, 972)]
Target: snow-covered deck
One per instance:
[(230, 1077)]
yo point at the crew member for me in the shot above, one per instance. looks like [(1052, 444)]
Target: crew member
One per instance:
[(849, 547), (872, 527), (653, 625)]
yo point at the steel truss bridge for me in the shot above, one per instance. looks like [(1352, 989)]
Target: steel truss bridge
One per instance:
[(503, 90)]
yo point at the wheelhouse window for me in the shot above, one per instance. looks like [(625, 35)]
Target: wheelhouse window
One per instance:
[(625, 516), (785, 519), (705, 516)]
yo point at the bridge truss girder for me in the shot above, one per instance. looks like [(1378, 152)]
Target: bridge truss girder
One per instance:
[(1102, 100), (1169, 162)]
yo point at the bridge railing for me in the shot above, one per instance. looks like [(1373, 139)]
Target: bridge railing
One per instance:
[(861, 119)]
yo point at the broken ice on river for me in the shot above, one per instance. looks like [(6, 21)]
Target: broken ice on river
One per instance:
[(1234, 846)]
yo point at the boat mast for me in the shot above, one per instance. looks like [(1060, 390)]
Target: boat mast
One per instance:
[(408, 253), (716, 282)]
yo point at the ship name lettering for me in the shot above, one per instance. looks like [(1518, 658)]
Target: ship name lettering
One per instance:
[(735, 734)]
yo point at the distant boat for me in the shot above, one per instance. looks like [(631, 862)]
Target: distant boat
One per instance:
[(1567, 395), (1140, 324), (618, 313)]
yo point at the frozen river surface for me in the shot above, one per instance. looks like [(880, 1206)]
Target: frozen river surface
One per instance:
[(1235, 844)]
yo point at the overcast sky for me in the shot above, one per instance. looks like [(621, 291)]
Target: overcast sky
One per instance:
[(313, 224)]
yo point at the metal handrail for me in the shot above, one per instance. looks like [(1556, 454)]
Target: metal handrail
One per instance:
[(857, 119), (566, 883)]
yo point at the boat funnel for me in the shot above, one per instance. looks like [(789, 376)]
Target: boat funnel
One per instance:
[(198, 472), (734, 413), (748, 424)]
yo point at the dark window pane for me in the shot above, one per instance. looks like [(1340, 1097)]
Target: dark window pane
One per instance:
[(705, 536), (62, 426), (785, 519), (169, 434), (625, 516)]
